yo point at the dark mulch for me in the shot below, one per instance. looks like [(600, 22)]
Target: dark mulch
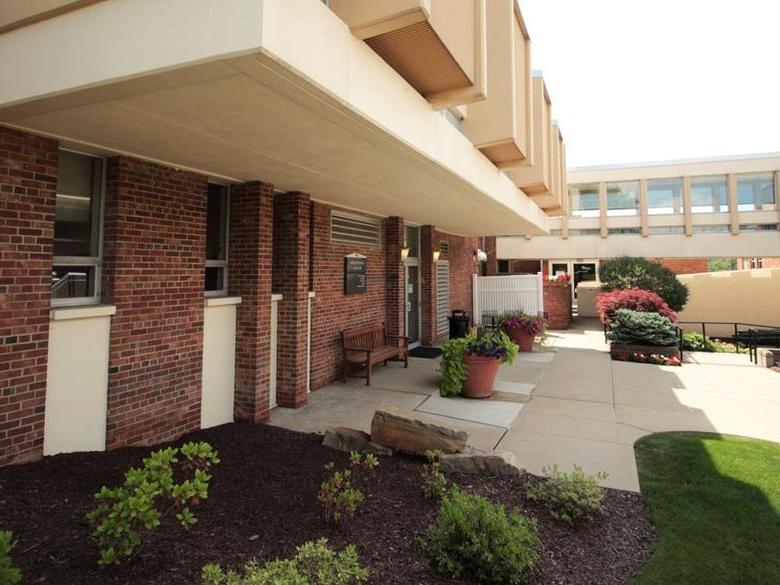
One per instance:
[(263, 502)]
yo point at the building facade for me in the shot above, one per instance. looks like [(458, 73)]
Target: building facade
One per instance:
[(178, 203), (680, 213)]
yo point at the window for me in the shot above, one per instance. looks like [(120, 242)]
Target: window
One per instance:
[(710, 229), (755, 191), (658, 230), (556, 233), (758, 227), (357, 230), (559, 268), (664, 196), (624, 231), (585, 200), (77, 227), (623, 198), (412, 235), (217, 240), (709, 194), (585, 232), (503, 266)]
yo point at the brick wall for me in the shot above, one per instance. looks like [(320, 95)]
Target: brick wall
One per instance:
[(394, 237), (333, 311), (490, 267), (291, 279), (557, 305), (28, 186), (154, 254), (249, 275), (684, 265), (524, 266)]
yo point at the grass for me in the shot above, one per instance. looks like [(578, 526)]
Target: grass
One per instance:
[(715, 501)]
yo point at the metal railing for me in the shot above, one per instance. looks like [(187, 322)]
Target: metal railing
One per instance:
[(749, 335)]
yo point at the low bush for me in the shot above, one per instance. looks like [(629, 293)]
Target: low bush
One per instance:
[(475, 538), (339, 497), (434, 483), (9, 575), (314, 564), (635, 299), (569, 497), (693, 341), (641, 328), (148, 495), (626, 272)]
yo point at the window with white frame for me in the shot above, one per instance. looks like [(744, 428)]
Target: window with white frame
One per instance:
[(217, 240), (77, 229), (755, 191), (664, 196)]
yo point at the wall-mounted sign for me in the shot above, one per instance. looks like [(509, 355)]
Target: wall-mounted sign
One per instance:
[(355, 274)]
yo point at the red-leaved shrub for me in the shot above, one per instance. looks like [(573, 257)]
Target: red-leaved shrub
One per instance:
[(636, 299)]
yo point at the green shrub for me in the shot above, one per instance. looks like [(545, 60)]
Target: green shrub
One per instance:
[(315, 564), (9, 575), (148, 495), (626, 272), (693, 341), (569, 497), (434, 483), (476, 538), (641, 328), (338, 496), (454, 370)]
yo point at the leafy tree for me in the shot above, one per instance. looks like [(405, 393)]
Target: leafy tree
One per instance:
[(721, 264), (629, 272)]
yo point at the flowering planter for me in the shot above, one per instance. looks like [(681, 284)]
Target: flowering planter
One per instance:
[(626, 351), (523, 339), (482, 374)]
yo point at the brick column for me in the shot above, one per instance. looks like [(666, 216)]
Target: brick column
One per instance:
[(249, 275), (28, 187), (557, 305), (153, 271), (491, 249), (396, 279), (427, 285), (291, 233)]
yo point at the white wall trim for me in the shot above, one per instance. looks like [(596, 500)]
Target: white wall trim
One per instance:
[(222, 301), (85, 312)]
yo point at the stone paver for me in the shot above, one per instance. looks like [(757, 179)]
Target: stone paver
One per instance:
[(583, 408)]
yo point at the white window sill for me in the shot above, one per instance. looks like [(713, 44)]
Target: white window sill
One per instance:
[(222, 301), (83, 312)]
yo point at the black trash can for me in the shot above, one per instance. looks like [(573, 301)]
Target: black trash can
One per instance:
[(459, 324)]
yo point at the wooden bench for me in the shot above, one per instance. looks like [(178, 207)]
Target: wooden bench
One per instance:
[(371, 345)]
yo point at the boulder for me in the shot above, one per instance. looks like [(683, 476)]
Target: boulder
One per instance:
[(346, 439), (477, 462), (413, 432)]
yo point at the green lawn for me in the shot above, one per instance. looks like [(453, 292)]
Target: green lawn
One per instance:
[(715, 501)]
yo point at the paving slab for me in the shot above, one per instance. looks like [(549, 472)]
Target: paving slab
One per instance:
[(489, 412)]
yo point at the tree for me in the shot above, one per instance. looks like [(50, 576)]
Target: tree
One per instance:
[(628, 272)]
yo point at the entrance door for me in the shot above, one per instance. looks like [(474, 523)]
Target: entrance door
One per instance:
[(412, 320), (585, 272)]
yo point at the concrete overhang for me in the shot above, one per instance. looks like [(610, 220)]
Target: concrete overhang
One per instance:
[(255, 90)]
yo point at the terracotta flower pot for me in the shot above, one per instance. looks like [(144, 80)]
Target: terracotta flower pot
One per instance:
[(482, 374), (523, 339)]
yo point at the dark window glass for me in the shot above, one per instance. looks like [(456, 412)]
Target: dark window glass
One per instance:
[(216, 223), (76, 215), (72, 282)]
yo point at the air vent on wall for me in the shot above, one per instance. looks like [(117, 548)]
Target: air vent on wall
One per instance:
[(444, 247), (442, 296), (346, 228)]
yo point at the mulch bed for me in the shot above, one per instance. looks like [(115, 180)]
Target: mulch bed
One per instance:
[(263, 502)]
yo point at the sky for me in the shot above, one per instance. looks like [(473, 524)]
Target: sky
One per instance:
[(653, 80)]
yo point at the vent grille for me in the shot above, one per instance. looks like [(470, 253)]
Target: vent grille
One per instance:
[(354, 229), (442, 296), (444, 248)]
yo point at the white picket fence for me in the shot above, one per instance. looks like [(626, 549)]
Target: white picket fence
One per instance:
[(494, 295)]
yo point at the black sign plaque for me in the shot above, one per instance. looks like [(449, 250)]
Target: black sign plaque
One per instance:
[(355, 275)]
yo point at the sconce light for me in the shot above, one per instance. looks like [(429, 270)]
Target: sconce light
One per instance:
[(404, 252), (436, 254)]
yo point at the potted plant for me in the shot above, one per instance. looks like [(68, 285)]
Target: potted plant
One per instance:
[(469, 365), (522, 328)]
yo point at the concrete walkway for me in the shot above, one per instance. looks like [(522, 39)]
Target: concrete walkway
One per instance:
[(568, 403)]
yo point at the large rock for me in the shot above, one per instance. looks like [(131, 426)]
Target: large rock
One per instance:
[(476, 461), (346, 439), (415, 433)]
